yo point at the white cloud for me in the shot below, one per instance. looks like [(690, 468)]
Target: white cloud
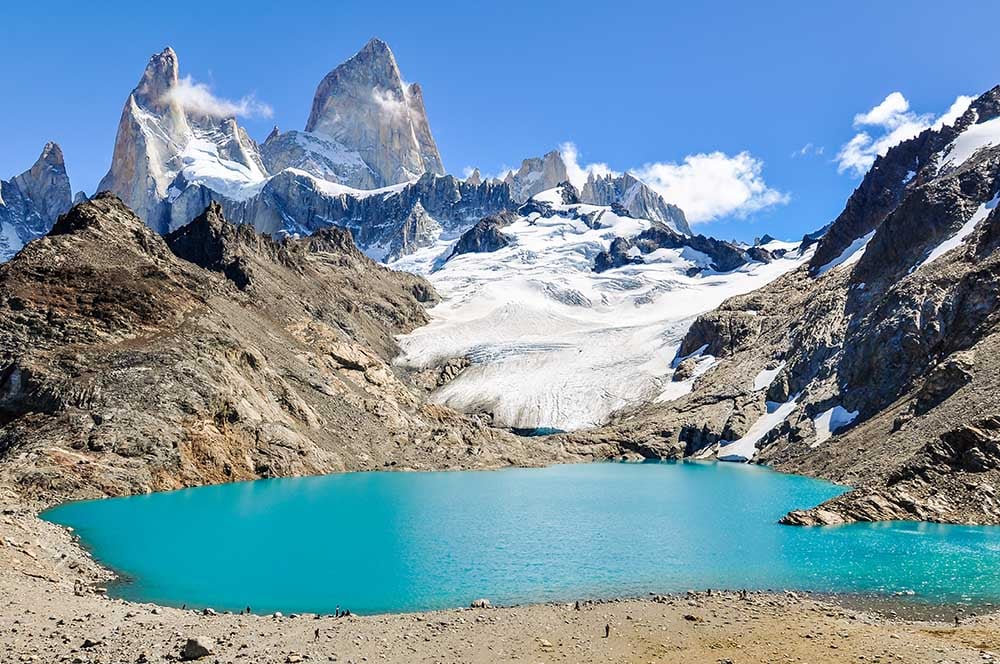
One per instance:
[(887, 124), (713, 185), (578, 174), (955, 111), (197, 98), (388, 102), (807, 150), (891, 111)]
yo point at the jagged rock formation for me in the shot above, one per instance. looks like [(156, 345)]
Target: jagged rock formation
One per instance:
[(485, 236), (32, 201), (537, 174), (417, 231), (375, 220), (365, 106), (131, 362), (879, 356), (723, 256), (635, 197)]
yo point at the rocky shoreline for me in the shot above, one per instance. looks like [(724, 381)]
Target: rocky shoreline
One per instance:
[(54, 608)]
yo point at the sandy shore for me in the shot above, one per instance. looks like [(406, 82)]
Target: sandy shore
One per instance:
[(52, 609)]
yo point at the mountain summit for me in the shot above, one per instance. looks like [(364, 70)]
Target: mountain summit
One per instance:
[(166, 142), (367, 106), (32, 201)]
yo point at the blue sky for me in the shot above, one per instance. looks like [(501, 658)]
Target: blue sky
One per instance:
[(629, 83)]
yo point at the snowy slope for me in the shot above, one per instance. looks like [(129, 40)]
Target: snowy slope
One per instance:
[(552, 343)]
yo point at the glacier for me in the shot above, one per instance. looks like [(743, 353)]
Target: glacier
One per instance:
[(554, 344)]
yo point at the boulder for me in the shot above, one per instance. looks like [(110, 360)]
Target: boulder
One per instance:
[(197, 647)]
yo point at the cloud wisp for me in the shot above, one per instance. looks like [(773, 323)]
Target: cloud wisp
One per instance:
[(197, 98), (707, 186), (887, 124)]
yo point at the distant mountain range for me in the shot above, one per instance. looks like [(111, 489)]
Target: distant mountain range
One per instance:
[(366, 161)]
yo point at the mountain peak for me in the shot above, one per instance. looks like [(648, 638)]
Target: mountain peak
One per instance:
[(365, 105), (52, 155), (47, 184), (160, 76), (376, 48)]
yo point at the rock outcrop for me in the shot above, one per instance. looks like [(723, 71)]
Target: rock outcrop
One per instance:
[(32, 201), (486, 236), (722, 256), (634, 196), (130, 362), (537, 174)]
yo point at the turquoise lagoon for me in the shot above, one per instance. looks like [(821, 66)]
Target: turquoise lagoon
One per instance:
[(398, 541)]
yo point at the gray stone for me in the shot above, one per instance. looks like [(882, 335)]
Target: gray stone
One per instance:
[(197, 647)]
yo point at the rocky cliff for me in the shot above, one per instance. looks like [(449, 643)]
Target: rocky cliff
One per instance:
[(365, 105), (873, 365), (32, 201), (131, 362)]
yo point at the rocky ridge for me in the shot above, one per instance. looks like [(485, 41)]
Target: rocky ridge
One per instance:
[(131, 362)]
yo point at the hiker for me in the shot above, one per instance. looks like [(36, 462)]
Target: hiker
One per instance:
[(336, 612), (248, 610), (607, 630), (316, 635)]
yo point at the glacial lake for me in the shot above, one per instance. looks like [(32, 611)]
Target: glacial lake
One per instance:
[(398, 541)]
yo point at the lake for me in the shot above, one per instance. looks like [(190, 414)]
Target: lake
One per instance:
[(398, 541)]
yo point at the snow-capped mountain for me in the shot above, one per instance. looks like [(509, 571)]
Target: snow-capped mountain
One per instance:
[(554, 341), (165, 146), (366, 160), (32, 201), (635, 197)]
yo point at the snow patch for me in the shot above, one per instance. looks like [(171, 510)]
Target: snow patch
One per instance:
[(745, 448), (829, 421), (955, 240), (969, 142), (851, 255), (763, 380)]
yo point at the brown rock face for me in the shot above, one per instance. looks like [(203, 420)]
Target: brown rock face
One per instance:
[(130, 362)]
